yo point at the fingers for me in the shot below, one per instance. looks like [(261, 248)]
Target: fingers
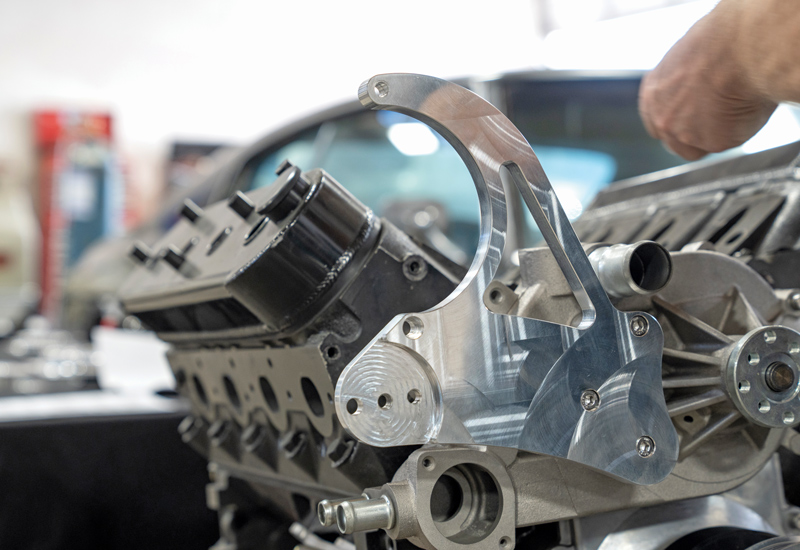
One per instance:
[(689, 152)]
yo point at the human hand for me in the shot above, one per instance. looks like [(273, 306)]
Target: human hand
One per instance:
[(699, 100)]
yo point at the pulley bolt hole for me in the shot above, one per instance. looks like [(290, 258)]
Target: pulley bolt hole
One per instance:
[(381, 88), (354, 406), (788, 418), (764, 407), (645, 446), (639, 325), (744, 386), (590, 400), (753, 358), (385, 401), (413, 327), (414, 396), (770, 337)]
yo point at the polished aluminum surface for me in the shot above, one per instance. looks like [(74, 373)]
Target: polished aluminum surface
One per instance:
[(459, 373)]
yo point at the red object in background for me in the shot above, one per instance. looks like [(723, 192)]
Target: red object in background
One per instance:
[(55, 132)]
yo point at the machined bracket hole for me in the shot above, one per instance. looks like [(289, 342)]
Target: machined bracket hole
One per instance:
[(414, 396), (413, 327), (428, 463), (354, 406), (381, 88), (385, 401)]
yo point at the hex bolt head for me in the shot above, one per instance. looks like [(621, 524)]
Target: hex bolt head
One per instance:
[(779, 376), (240, 204), (191, 211), (639, 325), (645, 446), (590, 400), (140, 252), (174, 257)]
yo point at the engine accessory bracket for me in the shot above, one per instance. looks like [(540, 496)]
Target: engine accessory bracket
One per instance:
[(459, 373)]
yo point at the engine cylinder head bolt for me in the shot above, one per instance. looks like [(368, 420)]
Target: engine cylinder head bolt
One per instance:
[(326, 509), (191, 211), (590, 400), (639, 325), (779, 376), (645, 446), (189, 428), (174, 257), (240, 204), (364, 515), (219, 431), (140, 252), (252, 437), (293, 443)]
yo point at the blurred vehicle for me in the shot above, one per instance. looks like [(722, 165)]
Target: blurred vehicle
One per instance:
[(584, 127)]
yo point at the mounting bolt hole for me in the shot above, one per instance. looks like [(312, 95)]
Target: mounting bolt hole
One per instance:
[(333, 352), (381, 88), (428, 463), (413, 327), (354, 406), (385, 401), (414, 396), (688, 419), (495, 296), (504, 542)]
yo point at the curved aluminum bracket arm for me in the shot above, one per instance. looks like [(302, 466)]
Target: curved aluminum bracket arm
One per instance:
[(459, 373)]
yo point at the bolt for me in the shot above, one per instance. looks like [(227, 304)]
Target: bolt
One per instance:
[(639, 325), (218, 432), (590, 400), (252, 437), (364, 515), (794, 521), (645, 446), (793, 300), (326, 509), (779, 376)]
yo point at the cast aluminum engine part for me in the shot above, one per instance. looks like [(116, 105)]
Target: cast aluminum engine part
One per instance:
[(610, 395)]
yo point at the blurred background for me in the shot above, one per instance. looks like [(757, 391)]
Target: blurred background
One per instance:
[(112, 113)]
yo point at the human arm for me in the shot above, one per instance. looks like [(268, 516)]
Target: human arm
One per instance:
[(721, 82)]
